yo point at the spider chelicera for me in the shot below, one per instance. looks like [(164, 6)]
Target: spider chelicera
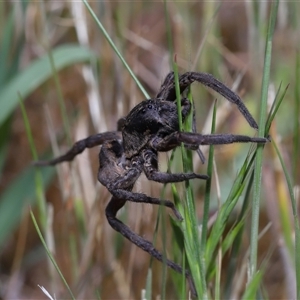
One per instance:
[(150, 127)]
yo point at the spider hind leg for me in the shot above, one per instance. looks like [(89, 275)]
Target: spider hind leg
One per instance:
[(111, 210)]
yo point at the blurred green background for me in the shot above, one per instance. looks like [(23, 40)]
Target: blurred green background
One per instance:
[(54, 57)]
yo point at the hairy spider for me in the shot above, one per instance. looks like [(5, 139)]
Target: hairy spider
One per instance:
[(150, 127)]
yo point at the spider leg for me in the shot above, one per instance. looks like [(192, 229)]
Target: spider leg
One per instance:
[(219, 139), (175, 139), (119, 177), (167, 90), (167, 93), (80, 146), (211, 82), (111, 211), (152, 172), (142, 198)]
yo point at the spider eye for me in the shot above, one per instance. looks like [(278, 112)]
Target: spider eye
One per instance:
[(150, 106)]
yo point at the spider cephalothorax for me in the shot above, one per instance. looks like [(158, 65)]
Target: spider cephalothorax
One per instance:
[(150, 119), (150, 127)]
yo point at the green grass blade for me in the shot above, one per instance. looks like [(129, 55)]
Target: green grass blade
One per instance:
[(296, 220), (206, 206), (50, 254), (252, 287), (259, 155), (37, 73), (28, 130), (41, 201), (114, 47), (236, 246), (231, 236), (269, 121), (190, 223), (220, 223), (296, 133), (275, 106), (226, 209), (17, 196), (183, 280), (208, 188), (226, 245)]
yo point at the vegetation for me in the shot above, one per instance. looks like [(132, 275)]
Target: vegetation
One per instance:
[(71, 69)]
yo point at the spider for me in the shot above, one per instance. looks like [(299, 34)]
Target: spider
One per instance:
[(150, 127)]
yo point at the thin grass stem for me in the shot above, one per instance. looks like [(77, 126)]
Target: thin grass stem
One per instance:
[(259, 154), (116, 50), (50, 254), (207, 196), (275, 106), (208, 186), (41, 201), (296, 134)]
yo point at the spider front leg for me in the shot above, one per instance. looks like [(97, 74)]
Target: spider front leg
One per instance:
[(111, 211), (80, 146), (188, 138), (210, 81), (167, 90)]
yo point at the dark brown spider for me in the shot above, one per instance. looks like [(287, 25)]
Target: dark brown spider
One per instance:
[(151, 127)]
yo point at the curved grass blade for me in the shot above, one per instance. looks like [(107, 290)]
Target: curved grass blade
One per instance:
[(253, 285), (226, 209), (236, 245), (275, 106), (41, 201), (50, 255), (37, 73)]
